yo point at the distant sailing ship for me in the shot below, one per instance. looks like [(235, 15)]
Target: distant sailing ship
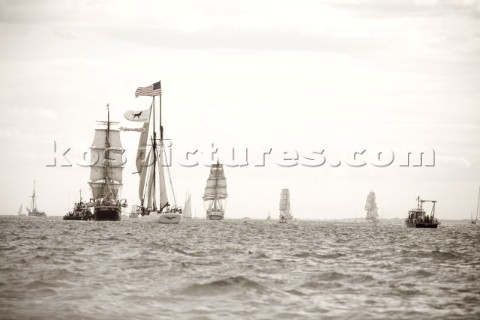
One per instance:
[(136, 210), (150, 165), (417, 218), (20, 211), (33, 211), (80, 211), (285, 214), (187, 208), (371, 207), (106, 172), (269, 217), (478, 204), (215, 195)]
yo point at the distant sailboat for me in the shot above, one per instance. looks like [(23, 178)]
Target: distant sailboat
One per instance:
[(285, 214), (478, 204), (187, 208), (106, 172), (269, 217), (150, 164), (134, 212), (33, 211), (215, 195), (20, 211), (371, 207)]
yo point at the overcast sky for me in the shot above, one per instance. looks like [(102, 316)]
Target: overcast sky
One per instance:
[(296, 76)]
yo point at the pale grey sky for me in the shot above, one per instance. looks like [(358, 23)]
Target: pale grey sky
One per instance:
[(339, 76)]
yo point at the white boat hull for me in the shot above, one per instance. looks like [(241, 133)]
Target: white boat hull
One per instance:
[(168, 218)]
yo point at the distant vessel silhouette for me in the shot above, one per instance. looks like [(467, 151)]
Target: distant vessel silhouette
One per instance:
[(215, 195), (285, 214), (417, 218), (187, 208), (20, 211), (371, 207), (478, 204), (33, 211)]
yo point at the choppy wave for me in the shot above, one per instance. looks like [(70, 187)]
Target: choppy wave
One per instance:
[(134, 269)]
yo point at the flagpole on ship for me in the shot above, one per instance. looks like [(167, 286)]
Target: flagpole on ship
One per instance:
[(161, 136)]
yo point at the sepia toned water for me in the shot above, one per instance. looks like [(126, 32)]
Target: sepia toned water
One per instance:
[(236, 269)]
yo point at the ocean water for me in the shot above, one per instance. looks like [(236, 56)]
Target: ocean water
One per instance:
[(236, 269)]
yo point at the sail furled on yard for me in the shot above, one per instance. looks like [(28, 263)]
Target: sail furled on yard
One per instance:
[(106, 163), (216, 187)]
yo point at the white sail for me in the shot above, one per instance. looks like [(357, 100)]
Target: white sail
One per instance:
[(106, 164), (161, 174), (285, 204), (20, 210), (142, 148), (144, 176), (285, 200), (149, 184), (187, 208), (216, 187)]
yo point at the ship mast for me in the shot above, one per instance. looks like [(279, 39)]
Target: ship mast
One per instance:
[(107, 192), (154, 146), (34, 202), (215, 199)]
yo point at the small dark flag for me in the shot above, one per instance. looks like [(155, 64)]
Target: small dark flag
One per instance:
[(150, 91)]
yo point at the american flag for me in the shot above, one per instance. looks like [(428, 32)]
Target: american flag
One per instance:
[(150, 91)]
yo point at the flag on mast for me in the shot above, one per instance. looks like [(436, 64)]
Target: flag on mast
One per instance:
[(137, 116), (150, 91)]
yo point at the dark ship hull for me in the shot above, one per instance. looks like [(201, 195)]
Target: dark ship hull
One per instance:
[(69, 217), (412, 224), (107, 213), (78, 216)]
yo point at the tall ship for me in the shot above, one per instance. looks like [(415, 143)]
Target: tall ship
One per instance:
[(215, 195), (80, 211), (33, 211), (417, 217), (106, 172), (285, 214), (150, 162), (474, 221), (187, 208), (371, 207)]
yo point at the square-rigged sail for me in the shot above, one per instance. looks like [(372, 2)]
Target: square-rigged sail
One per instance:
[(106, 164)]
